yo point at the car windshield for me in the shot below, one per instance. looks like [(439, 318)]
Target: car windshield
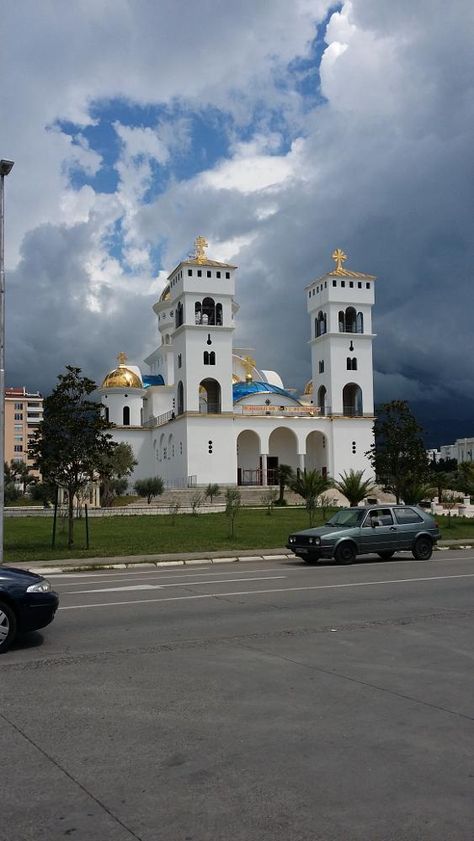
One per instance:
[(348, 517)]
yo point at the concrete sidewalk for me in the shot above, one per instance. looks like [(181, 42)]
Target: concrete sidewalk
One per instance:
[(178, 559)]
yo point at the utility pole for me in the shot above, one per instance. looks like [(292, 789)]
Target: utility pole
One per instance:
[(5, 169)]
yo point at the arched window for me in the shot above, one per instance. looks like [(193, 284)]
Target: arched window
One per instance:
[(352, 400), (206, 357), (209, 310), (107, 414), (180, 398), (167, 339), (212, 358), (126, 415), (322, 399), (179, 315), (342, 321), (360, 322), (351, 363), (354, 363), (320, 323), (197, 313), (219, 314), (350, 320), (210, 397)]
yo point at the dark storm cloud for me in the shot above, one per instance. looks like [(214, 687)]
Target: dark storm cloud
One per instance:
[(50, 322)]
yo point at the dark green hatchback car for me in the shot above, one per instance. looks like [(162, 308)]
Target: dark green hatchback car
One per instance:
[(379, 529)]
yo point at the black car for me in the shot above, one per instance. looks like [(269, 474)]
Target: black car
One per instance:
[(382, 529), (27, 603)]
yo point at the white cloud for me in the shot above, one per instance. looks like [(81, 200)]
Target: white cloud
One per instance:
[(380, 168)]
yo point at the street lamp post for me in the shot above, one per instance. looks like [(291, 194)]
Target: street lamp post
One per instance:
[(5, 169)]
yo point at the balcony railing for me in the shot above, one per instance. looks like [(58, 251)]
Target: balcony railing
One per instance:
[(288, 411), (159, 420), (352, 411)]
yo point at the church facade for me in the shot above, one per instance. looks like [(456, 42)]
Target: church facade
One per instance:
[(204, 412)]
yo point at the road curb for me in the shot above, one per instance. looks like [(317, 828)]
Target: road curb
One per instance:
[(160, 562)]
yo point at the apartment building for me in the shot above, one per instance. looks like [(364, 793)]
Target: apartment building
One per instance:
[(23, 413)]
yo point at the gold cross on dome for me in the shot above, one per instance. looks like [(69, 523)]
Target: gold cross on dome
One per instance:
[(249, 365), (200, 244), (122, 358), (339, 258)]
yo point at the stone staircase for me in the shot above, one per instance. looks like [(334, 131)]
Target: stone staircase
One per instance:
[(251, 496)]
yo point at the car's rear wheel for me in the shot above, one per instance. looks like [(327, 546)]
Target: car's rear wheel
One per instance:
[(345, 553), (385, 556), (7, 626), (423, 549)]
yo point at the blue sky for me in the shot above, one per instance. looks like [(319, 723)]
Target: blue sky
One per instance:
[(280, 131)]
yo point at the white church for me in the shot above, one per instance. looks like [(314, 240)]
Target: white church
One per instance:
[(206, 413)]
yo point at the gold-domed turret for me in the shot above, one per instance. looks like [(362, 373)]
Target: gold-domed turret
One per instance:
[(166, 294), (122, 377)]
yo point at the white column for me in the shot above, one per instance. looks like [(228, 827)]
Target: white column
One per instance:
[(263, 456), (301, 461)]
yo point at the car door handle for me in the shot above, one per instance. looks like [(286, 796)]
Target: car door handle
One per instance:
[(393, 528)]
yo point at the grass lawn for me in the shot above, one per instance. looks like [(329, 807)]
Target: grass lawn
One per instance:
[(29, 538)]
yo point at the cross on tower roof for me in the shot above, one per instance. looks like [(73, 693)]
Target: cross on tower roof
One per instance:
[(122, 358), (339, 258), (200, 244)]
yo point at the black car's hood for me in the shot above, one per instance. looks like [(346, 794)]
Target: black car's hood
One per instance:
[(11, 574)]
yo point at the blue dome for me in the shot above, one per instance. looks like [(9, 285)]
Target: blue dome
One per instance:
[(241, 390), (152, 379)]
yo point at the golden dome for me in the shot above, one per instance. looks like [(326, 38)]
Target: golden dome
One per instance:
[(166, 294), (122, 377), (308, 389)]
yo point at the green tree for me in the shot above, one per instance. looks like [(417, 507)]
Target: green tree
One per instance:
[(464, 480), (353, 486), (285, 476), (21, 474), (269, 498), (154, 486), (43, 492), (114, 468), (310, 485), (196, 502), (212, 490), (72, 438), (398, 454), (10, 489), (233, 500)]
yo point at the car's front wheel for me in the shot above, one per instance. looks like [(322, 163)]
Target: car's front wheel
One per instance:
[(345, 553), (423, 549), (7, 626), (385, 556)]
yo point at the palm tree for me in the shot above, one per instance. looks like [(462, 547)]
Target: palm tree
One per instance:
[(352, 485), (285, 477), (310, 485)]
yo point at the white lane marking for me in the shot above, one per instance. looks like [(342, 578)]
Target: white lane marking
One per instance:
[(116, 589), (162, 586), (115, 579), (158, 574), (274, 590)]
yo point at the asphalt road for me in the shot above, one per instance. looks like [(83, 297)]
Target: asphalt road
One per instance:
[(246, 701)]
